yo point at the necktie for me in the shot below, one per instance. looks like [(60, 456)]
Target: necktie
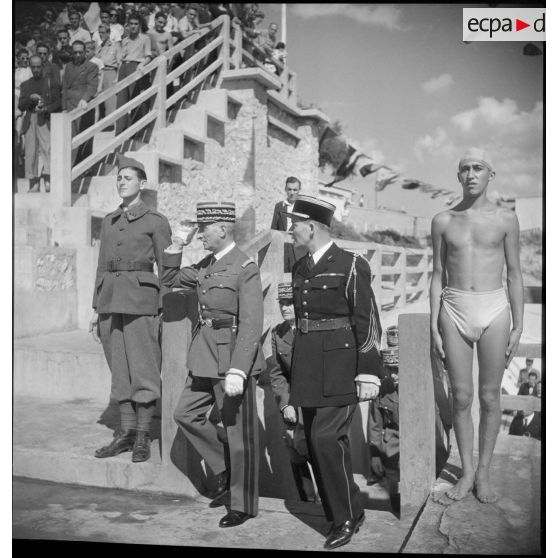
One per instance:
[(310, 261)]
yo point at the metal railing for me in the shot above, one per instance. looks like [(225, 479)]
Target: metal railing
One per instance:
[(207, 54)]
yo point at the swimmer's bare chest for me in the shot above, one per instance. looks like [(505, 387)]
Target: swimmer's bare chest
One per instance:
[(474, 255)]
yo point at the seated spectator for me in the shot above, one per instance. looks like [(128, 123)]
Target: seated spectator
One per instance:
[(114, 34), (36, 38), (527, 424), (171, 23), (524, 372), (274, 62), (22, 71), (63, 52), (267, 39), (161, 40), (75, 30), (39, 97), (50, 70), (190, 23), (528, 388)]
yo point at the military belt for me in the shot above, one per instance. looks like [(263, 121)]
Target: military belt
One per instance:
[(117, 265), (218, 323), (326, 324)]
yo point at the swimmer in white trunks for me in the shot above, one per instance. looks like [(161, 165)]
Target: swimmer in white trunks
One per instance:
[(471, 243)]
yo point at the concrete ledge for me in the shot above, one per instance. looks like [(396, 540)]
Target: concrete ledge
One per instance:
[(39, 312), (257, 74), (61, 365)]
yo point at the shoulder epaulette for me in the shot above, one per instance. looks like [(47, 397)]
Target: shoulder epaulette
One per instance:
[(248, 261), (155, 212)]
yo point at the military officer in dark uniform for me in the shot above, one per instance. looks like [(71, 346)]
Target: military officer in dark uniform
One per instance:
[(282, 338), (336, 359), (224, 359), (126, 301)]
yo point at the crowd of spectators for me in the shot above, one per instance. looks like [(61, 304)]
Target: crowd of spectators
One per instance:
[(99, 44)]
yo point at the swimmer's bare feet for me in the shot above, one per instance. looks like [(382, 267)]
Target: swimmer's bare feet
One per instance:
[(462, 488), (483, 490)]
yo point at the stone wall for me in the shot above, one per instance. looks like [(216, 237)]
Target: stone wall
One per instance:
[(249, 169)]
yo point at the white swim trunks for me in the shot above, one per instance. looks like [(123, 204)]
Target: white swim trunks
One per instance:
[(472, 312)]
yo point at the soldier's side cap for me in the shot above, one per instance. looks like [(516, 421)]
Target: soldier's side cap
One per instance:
[(126, 162), (308, 207), (215, 212), (284, 291), (475, 154)]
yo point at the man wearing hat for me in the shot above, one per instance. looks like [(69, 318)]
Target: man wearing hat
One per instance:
[(282, 338), (336, 359), (127, 300), (471, 243), (224, 359)]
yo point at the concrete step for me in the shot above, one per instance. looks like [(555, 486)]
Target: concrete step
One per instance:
[(55, 440), (181, 144), (192, 119), (61, 365), (220, 102)]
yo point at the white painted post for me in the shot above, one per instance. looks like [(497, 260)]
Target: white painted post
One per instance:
[(61, 159), (238, 47), (161, 78), (401, 283), (226, 46)]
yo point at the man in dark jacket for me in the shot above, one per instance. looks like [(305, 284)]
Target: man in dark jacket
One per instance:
[(282, 338), (336, 360), (224, 359), (79, 86), (127, 300), (40, 96)]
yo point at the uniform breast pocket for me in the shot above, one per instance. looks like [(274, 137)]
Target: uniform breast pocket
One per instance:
[(326, 293), (222, 293), (340, 360)]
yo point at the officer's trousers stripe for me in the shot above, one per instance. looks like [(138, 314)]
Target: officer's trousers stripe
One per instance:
[(345, 471)]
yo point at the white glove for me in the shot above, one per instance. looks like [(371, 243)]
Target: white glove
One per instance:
[(367, 390), (234, 385), (184, 235), (94, 327)]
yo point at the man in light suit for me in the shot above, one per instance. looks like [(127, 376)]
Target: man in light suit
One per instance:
[(224, 359), (79, 86)]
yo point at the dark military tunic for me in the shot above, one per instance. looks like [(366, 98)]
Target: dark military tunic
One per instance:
[(325, 364), (230, 287), (128, 301)]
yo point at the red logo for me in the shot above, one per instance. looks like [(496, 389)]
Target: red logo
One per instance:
[(519, 25)]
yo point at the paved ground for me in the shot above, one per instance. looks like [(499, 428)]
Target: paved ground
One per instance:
[(52, 511)]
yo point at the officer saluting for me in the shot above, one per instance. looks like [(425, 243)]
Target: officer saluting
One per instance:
[(336, 359), (224, 359), (126, 303)]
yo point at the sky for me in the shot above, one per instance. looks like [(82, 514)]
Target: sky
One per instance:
[(413, 95)]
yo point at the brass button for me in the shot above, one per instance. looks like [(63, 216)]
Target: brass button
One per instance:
[(221, 286), (305, 314), (324, 287), (307, 280), (118, 259), (304, 303), (117, 274), (346, 344), (304, 292), (119, 243), (203, 306), (204, 291)]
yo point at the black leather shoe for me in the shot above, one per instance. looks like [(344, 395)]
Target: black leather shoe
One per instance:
[(142, 447), (221, 493), (123, 440), (342, 534), (234, 518)]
